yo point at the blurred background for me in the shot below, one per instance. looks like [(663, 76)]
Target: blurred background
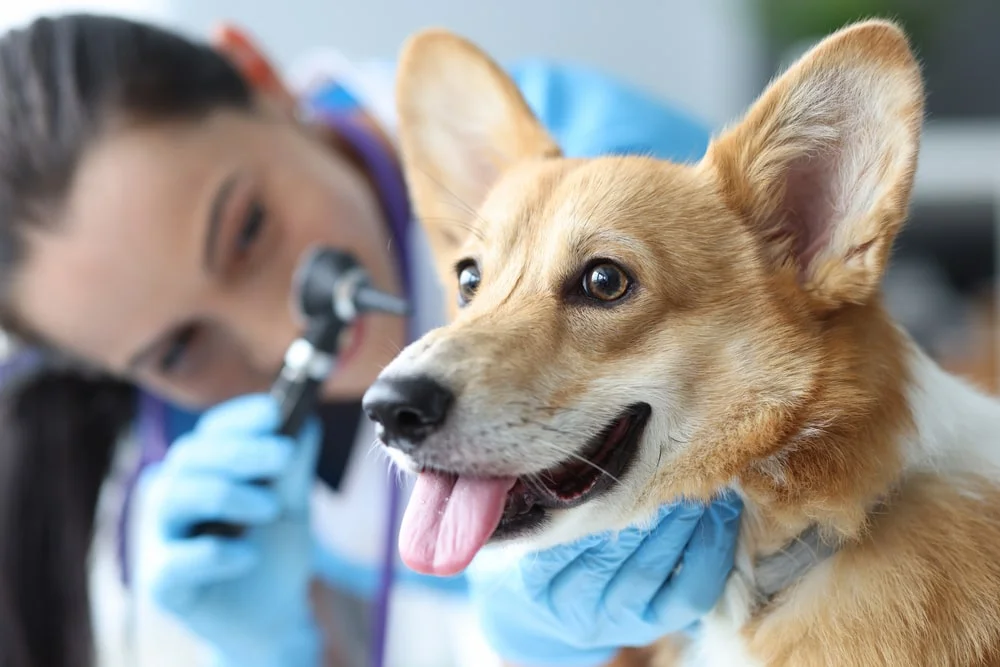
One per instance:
[(712, 57)]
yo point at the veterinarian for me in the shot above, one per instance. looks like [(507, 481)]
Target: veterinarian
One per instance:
[(155, 197)]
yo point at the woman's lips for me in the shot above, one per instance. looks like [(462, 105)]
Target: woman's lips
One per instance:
[(350, 342)]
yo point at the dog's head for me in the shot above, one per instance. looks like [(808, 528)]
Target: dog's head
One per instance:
[(626, 330)]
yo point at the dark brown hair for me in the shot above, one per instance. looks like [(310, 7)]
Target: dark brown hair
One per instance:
[(63, 82)]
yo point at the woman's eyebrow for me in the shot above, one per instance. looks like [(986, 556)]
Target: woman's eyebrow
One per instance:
[(215, 214), (215, 219)]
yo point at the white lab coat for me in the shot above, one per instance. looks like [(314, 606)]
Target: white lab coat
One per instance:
[(132, 631)]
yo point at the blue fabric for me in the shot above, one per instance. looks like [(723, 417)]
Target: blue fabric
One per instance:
[(332, 99), (179, 422), (589, 114)]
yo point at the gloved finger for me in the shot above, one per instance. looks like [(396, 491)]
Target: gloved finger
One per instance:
[(197, 497), (232, 456), (708, 560), (592, 570), (188, 566), (538, 569), (296, 482), (252, 414), (651, 564)]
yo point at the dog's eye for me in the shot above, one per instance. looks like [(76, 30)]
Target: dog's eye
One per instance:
[(605, 281), (468, 281)]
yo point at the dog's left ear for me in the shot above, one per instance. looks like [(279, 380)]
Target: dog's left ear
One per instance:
[(822, 165), (462, 123)]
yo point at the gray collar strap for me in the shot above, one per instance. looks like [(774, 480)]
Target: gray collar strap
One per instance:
[(781, 569)]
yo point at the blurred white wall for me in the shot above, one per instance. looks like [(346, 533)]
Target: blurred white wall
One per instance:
[(701, 54), (12, 13)]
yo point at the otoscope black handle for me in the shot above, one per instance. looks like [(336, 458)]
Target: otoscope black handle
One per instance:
[(331, 290), (297, 401), (297, 395), (297, 411), (218, 528)]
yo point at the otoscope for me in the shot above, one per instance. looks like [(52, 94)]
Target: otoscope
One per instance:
[(331, 289)]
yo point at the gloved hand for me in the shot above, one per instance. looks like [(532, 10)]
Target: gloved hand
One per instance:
[(576, 605), (247, 597)]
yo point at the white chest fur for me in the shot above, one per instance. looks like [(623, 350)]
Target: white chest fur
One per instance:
[(719, 647), (719, 643)]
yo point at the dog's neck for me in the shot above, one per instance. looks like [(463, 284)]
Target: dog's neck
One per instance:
[(842, 452), (904, 413), (952, 433)]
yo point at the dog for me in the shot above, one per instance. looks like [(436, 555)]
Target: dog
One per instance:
[(628, 332)]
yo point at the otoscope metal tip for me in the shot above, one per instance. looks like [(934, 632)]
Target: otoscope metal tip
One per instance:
[(370, 299)]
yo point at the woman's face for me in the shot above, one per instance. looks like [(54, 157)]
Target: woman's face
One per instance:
[(172, 260)]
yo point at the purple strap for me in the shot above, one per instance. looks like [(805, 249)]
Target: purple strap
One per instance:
[(152, 436), (19, 363), (152, 416), (392, 189)]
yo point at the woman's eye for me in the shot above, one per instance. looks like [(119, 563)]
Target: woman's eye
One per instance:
[(468, 281), (252, 227), (179, 346)]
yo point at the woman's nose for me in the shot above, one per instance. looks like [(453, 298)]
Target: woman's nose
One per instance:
[(265, 333)]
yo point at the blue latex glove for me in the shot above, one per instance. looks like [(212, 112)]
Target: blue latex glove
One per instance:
[(576, 605), (246, 597)]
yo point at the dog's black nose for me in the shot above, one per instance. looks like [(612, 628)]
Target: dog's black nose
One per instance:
[(407, 409)]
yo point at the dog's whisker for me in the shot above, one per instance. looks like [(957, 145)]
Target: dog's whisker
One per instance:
[(534, 484), (391, 346), (458, 200), (375, 448), (460, 224), (582, 459)]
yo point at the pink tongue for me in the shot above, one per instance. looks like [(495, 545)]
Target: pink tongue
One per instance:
[(449, 519)]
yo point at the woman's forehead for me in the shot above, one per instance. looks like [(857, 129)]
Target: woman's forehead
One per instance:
[(128, 184), (128, 244)]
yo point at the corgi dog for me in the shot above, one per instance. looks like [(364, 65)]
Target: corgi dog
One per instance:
[(627, 332)]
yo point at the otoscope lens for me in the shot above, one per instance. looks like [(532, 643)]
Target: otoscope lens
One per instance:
[(316, 278)]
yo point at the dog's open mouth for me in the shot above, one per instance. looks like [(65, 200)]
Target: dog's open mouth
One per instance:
[(450, 517)]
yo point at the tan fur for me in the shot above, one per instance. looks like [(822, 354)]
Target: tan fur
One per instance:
[(921, 589), (778, 371)]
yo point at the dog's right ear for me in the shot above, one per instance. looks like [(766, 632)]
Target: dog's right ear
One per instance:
[(462, 123), (822, 166)]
